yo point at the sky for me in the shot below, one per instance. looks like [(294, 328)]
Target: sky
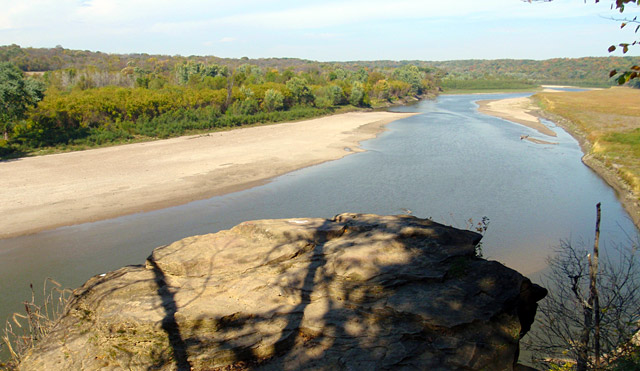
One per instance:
[(322, 30)]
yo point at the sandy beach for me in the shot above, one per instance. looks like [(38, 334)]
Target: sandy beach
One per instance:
[(523, 111), (46, 192), (519, 110)]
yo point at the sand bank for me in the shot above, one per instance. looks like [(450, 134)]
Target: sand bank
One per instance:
[(40, 193), (523, 111), (519, 110), (539, 141)]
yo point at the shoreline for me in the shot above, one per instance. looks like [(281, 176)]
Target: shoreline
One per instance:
[(47, 192), (526, 107), (519, 110), (623, 192)]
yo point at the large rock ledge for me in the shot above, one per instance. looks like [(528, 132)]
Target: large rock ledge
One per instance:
[(354, 292)]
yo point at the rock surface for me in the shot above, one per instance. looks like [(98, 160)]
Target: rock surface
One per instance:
[(357, 292)]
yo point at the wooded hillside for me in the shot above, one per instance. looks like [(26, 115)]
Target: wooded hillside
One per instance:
[(93, 98)]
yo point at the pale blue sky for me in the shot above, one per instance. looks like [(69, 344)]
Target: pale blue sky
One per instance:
[(321, 30)]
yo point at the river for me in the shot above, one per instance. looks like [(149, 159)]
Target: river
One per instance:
[(449, 163)]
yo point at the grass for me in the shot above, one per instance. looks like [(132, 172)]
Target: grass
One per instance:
[(609, 120)]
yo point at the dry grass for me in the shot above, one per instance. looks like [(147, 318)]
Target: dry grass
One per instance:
[(23, 331), (610, 121)]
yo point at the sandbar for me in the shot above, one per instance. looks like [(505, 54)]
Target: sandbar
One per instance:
[(45, 192), (519, 110), (539, 141)]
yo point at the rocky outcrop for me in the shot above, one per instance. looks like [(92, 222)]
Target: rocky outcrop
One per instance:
[(354, 292)]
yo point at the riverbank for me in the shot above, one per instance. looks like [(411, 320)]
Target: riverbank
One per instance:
[(625, 193), (46, 192), (519, 110), (527, 112)]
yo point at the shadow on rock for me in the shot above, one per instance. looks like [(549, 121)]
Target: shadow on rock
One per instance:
[(353, 292)]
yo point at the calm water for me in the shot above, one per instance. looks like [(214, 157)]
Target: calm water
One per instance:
[(449, 163)]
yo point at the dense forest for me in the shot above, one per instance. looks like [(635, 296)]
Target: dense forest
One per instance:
[(93, 98), (87, 98)]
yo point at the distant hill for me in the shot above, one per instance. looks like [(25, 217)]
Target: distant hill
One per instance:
[(50, 59), (574, 71), (588, 71)]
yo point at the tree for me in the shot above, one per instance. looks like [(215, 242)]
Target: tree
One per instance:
[(17, 94), (336, 94), (590, 316), (357, 94), (273, 100), (382, 89), (300, 90), (411, 75)]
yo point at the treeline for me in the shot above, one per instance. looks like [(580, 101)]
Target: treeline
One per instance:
[(590, 72), (574, 71), (486, 83), (50, 59), (165, 97)]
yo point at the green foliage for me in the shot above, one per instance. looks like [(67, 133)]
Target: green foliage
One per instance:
[(96, 98), (300, 91), (248, 106), (566, 366), (631, 138), (356, 97), (336, 95), (382, 89), (32, 135), (629, 141), (17, 94), (273, 100), (197, 71), (411, 75), (337, 74)]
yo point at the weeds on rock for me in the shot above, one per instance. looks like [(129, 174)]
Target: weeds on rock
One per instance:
[(23, 331), (480, 227)]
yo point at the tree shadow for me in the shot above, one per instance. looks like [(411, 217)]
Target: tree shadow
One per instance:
[(169, 323), (354, 292)]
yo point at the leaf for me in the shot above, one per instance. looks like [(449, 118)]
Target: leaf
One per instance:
[(633, 75), (612, 48), (636, 68), (621, 80), (612, 73), (625, 47), (623, 24)]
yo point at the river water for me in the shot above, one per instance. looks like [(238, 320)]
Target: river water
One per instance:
[(449, 163)]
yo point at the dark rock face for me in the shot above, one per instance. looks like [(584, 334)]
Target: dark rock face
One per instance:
[(358, 292)]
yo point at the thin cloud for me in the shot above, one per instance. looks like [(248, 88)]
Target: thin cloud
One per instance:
[(353, 12), (335, 30)]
